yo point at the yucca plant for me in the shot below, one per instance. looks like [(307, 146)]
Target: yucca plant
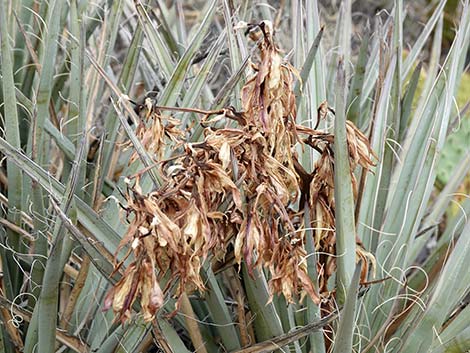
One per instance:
[(213, 177)]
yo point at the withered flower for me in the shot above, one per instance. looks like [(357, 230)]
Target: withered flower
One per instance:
[(239, 186), (154, 130)]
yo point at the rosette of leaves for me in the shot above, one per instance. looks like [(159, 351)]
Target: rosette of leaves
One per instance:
[(62, 138)]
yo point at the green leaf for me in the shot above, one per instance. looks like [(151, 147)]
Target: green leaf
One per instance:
[(86, 216), (160, 50), (344, 199), (457, 327), (408, 99), (453, 230), (453, 284), (459, 343), (373, 66), (173, 89), (111, 342), (317, 340), (298, 35), (417, 173), (200, 80), (307, 67), (434, 66), (267, 321), (103, 54), (356, 90), (219, 312), (47, 305), (231, 85), (133, 335), (344, 336), (24, 16), (112, 124), (317, 75), (165, 19), (12, 277), (172, 337), (421, 41), (76, 121), (441, 203), (332, 68), (236, 47), (60, 139), (48, 60)]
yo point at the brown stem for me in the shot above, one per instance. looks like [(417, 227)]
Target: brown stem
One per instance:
[(192, 324), (190, 110), (75, 293), (287, 338), (160, 339)]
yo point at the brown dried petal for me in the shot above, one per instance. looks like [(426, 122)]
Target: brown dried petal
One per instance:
[(224, 155), (123, 290)]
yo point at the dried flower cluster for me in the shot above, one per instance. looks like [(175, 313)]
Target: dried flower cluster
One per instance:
[(239, 186), (321, 196), (153, 130)]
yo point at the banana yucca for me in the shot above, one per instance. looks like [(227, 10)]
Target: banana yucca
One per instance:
[(257, 200)]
